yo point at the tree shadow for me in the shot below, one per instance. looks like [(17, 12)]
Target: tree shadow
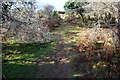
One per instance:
[(20, 59)]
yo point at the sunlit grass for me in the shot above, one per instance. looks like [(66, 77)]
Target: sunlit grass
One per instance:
[(19, 59), (77, 75)]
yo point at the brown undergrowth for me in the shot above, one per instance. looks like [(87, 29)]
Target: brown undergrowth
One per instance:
[(98, 50)]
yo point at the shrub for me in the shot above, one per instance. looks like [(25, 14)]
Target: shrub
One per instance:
[(61, 12), (101, 39)]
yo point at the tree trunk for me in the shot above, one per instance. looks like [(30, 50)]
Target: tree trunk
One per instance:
[(119, 21)]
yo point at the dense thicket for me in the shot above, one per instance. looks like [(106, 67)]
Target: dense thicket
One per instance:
[(22, 22)]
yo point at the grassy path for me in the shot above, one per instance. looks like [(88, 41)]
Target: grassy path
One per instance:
[(51, 60), (59, 67), (65, 62), (62, 60), (58, 59)]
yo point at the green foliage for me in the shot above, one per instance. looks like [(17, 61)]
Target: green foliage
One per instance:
[(77, 8), (71, 5), (54, 13), (61, 12), (74, 5)]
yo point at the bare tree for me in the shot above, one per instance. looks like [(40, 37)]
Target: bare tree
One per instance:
[(48, 9), (118, 5), (23, 23)]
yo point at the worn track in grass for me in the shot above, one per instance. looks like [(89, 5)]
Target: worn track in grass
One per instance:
[(57, 66)]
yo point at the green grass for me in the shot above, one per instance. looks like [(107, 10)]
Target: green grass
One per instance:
[(19, 60)]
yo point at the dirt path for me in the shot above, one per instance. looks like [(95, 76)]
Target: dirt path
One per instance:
[(58, 65), (62, 69)]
